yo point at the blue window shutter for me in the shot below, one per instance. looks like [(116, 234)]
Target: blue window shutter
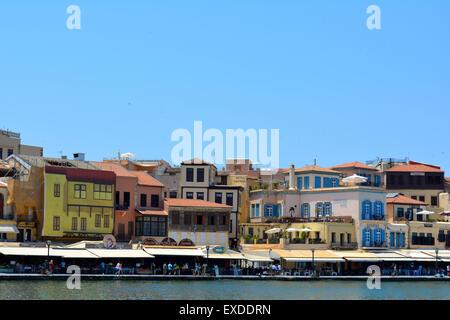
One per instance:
[(265, 210), (257, 210), (317, 182), (303, 210), (299, 183), (372, 235), (371, 210), (382, 208), (308, 209), (306, 182), (275, 210), (337, 182), (397, 237), (392, 239), (331, 209), (402, 239), (253, 211), (317, 207), (364, 237)]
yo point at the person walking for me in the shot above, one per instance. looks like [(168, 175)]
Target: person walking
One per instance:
[(51, 265), (169, 268), (164, 268), (117, 268), (102, 266), (63, 266)]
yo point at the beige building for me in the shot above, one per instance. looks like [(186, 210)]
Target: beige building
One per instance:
[(10, 143)]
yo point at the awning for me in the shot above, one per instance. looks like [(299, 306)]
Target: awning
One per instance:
[(195, 252), (418, 255), (8, 229), (315, 260), (391, 256), (306, 255), (256, 258), (24, 251), (227, 255), (120, 253), (358, 256), (72, 253)]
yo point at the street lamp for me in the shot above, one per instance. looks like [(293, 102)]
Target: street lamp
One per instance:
[(437, 251), (314, 267), (207, 257), (48, 249)]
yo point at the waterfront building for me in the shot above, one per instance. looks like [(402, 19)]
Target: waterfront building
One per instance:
[(374, 177), (125, 199), (8, 224), (418, 181), (10, 143), (199, 180), (78, 203), (310, 177), (198, 222)]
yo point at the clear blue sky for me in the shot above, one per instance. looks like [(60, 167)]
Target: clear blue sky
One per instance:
[(137, 70)]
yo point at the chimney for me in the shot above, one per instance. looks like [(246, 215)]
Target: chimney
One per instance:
[(292, 182), (78, 156)]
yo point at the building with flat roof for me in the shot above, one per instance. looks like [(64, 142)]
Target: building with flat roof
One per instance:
[(10, 143)]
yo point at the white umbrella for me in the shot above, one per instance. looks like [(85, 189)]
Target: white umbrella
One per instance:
[(293, 230), (127, 155), (274, 230), (425, 212), (355, 179), (445, 213), (305, 230)]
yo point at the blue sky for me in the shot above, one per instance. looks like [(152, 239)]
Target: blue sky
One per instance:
[(137, 70)]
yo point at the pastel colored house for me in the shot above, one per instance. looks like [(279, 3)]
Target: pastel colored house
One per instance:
[(374, 177), (79, 204), (8, 224)]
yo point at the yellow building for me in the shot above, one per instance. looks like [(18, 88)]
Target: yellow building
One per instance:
[(78, 203)]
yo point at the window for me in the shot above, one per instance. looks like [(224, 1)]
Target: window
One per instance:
[(56, 223), (400, 212), (10, 152), (143, 200), (218, 197), (378, 209), (199, 219), (269, 211), (83, 224), (189, 195), (349, 238), (422, 198), (106, 221), (187, 218), (175, 217), (250, 231), (154, 201), (80, 191), (319, 209), (211, 220), (224, 220), (299, 183), (376, 181), (306, 182), (117, 198), (130, 228), (317, 182), (229, 199), (126, 199), (326, 182), (74, 223), (103, 191), (367, 238), (190, 174), (414, 197), (252, 214), (305, 210), (56, 190), (434, 201), (334, 182), (367, 206), (1, 153), (327, 209), (257, 210), (173, 194), (151, 226), (378, 236), (200, 174), (333, 237), (98, 221), (200, 196)]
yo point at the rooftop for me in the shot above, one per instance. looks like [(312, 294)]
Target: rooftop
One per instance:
[(114, 167), (194, 203), (354, 164), (401, 199), (55, 162), (311, 168), (145, 179), (413, 166)]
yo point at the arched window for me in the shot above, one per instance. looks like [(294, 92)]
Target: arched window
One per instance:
[(187, 243)]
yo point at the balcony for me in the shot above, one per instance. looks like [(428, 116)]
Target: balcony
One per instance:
[(342, 219), (122, 207), (27, 218), (344, 245), (374, 218), (426, 241)]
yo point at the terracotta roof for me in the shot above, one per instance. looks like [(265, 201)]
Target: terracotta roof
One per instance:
[(153, 212), (447, 179), (354, 164), (145, 179), (413, 166), (401, 199), (194, 203), (114, 167), (89, 175), (312, 168)]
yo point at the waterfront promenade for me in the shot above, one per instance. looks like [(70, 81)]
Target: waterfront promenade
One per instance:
[(26, 276)]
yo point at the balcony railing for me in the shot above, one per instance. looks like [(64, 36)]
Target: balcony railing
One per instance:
[(122, 207), (26, 218), (343, 219), (344, 245)]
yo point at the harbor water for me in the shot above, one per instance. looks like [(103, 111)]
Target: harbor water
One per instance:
[(222, 289)]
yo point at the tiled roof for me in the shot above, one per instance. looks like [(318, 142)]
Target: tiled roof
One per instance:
[(153, 212), (90, 175), (114, 167), (401, 199), (312, 168), (194, 203), (447, 179), (197, 161), (413, 166), (145, 179), (354, 164)]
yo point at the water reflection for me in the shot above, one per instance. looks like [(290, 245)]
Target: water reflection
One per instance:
[(222, 289)]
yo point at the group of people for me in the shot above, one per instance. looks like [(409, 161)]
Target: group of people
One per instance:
[(393, 270), (175, 269)]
